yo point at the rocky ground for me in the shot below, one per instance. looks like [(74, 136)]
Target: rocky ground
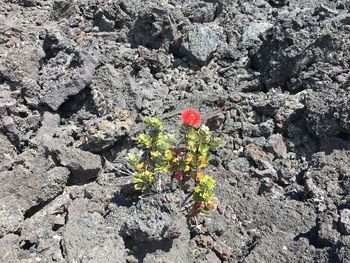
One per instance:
[(271, 78)]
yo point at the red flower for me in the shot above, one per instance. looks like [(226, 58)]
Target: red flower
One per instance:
[(178, 175), (191, 117)]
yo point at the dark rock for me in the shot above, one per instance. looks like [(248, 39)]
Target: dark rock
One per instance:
[(215, 225), (106, 24), (328, 113), (343, 252), (153, 29), (266, 128), (278, 3), (266, 170), (201, 12), (55, 41), (267, 76)]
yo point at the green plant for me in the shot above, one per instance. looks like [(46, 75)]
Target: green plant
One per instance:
[(184, 159)]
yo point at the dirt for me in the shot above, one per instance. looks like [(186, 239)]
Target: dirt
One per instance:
[(272, 80)]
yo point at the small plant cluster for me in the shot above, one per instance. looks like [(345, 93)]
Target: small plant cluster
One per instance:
[(184, 159)]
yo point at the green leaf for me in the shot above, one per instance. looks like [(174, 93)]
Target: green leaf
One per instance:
[(203, 149), (146, 140), (155, 154), (154, 122), (192, 136), (205, 134), (168, 155), (143, 181), (215, 143), (204, 190), (133, 159)]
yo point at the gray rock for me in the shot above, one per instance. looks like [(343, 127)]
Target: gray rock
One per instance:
[(87, 239), (49, 125), (239, 164), (270, 189), (275, 144), (8, 123), (344, 251), (327, 229), (155, 218), (83, 165), (199, 43), (57, 40), (84, 239), (251, 35), (7, 153), (101, 134), (35, 178), (33, 181), (21, 65), (9, 250), (345, 221), (109, 83), (249, 129), (268, 170), (257, 154), (6, 101), (75, 72), (11, 216), (212, 257)]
